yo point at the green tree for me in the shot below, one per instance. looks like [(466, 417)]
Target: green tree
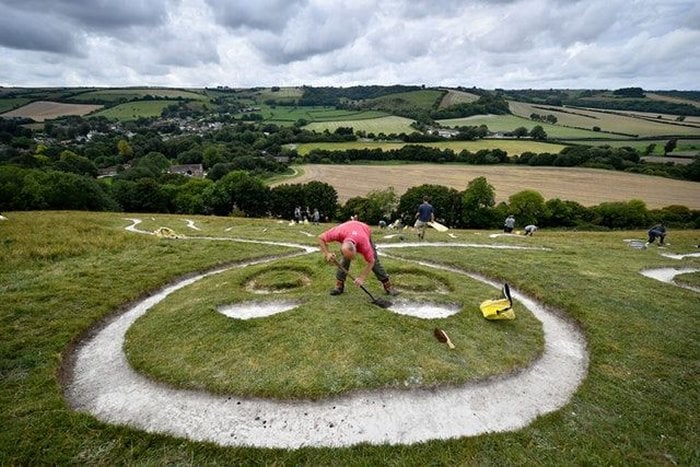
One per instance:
[(213, 154), (284, 198), (520, 132), (188, 198), (125, 150), (622, 215), (446, 201), (321, 196), (71, 162), (241, 191), (478, 199), (565, 213), (528, 206), (377, 205), (358, 206), (142, 195), (670, 146), (155, 162), (538, 133)]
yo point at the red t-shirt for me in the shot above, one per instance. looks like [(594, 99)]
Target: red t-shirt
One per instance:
[(357, 231)]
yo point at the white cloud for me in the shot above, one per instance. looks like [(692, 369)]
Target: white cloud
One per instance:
[(486, 43)]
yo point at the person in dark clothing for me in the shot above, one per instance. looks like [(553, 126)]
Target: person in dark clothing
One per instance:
[(658, 231), (425, 214)]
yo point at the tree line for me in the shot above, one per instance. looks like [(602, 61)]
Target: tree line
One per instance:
[(239, 193)]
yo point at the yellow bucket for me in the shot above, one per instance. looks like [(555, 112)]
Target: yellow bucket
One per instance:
[(497, 309), (501, 308)]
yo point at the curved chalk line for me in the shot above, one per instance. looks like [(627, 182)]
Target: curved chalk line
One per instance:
[(102, 383), (667, 275)]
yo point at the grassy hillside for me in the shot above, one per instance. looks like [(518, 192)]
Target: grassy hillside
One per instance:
[(134, 110), (630, 124), (116, 95), (454, 97), (383, 124), (637, 404), (286, 115), (507, 123), (424, 100), (9, 103)]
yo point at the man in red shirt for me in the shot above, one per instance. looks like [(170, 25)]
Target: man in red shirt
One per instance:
[(354, 237)]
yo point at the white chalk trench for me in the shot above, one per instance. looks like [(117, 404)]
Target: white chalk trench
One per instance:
[(102, 383)]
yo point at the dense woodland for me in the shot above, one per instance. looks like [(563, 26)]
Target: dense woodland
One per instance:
[(62, 164)]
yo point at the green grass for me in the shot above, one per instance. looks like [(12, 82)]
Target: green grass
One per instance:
[(9, 103), (114, 95), (424, 99), (134, 110), (62, 272), (505, 123), (325, 346), (629, 123), (283, 94), (692, 279), (511, 146), (287, 115), (376, 124)]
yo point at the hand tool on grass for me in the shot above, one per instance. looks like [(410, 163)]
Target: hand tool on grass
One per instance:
[(380, 302), (443, 337)]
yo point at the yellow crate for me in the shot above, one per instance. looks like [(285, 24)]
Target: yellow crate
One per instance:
[(497, 309)]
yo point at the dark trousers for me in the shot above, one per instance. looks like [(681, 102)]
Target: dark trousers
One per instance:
[(655, 233), (378, 269)]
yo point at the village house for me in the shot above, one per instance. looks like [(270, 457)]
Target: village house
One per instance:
[(190, 170)]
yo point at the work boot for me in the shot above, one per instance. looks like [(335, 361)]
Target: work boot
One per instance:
[(390, 289), (339, 288)]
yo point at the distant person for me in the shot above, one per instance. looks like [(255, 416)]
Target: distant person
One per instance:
[(354, 237), (425, 214), (396, 225), (297, 215), (658, 231), (530, 229), (509, 223), (316, 216)]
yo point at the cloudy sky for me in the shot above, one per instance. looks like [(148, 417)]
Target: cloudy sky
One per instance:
[(490, 44)]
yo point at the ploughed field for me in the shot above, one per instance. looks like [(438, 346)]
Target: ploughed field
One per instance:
[(589, 187)]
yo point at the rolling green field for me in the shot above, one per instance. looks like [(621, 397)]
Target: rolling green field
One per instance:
[(457, 97), (636, 406), (618, 122), (284, 94), (9, 103), (287, 115), (506, 123), (512, 147), (115, 95), (425, 99), (383, 124), (134, 110)]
